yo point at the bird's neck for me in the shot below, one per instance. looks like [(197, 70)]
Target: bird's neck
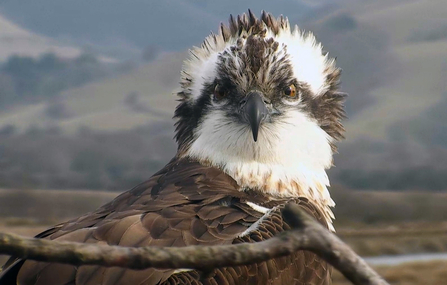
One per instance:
[(277, 181), (282, 182)]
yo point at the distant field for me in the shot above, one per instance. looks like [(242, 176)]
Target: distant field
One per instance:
[(365, 208), (45, 207)]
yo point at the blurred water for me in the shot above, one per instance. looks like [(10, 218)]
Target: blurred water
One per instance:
[(399, 259)]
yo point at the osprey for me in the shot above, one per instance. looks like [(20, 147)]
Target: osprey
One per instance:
[(257, 122)]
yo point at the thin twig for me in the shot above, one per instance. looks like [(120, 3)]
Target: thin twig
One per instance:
[(306, 234)]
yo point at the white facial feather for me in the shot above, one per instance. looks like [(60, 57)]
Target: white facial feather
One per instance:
[(288, 160), (203, 73), (307, 59), (200, 68)]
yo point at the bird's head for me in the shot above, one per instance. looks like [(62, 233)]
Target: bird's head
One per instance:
[(260, 100)]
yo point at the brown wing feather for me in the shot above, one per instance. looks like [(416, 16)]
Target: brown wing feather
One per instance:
[(184, 204), (301, 268)]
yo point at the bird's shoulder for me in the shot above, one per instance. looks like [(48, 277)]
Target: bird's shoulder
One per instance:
[(184, 197)]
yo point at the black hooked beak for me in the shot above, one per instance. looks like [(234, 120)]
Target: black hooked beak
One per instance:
[(254, 111)]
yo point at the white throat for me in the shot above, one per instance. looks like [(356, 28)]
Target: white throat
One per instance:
[(288, 160)]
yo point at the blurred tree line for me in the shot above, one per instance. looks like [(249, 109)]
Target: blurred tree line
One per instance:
[(25, 79)]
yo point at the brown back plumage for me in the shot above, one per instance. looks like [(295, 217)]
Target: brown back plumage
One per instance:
[(185, 203)]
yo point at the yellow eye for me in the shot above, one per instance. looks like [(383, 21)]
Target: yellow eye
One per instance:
[(290, 91), (219, 92)]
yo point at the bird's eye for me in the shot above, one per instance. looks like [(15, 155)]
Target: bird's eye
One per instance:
[(219, 92), (290, 91)]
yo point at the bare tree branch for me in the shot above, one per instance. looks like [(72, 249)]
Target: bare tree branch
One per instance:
[(306, 234)]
